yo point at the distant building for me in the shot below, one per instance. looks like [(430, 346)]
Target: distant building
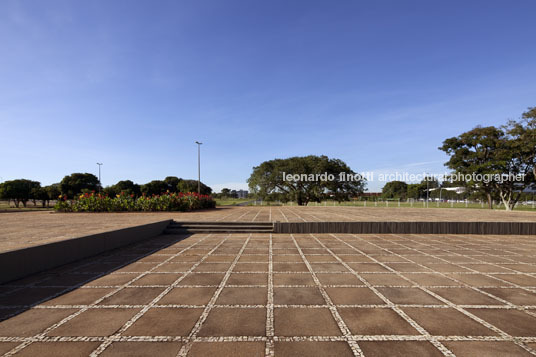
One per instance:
[(240, 193), (370, 194)]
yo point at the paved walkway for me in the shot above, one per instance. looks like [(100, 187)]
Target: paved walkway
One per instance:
[(23, 229), (288, 295)]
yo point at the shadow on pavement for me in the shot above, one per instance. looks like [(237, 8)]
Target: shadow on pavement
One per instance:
[(20, 295)]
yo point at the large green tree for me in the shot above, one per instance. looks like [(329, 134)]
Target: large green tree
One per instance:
[(517, 157), (155, 187), (74, 184), (269, 183), (53, 192), (529, 131), (40, 194), (172, 182), (506, 155), (20, 190), (475, 152), (395, 189), (191, 186), (125, 186)]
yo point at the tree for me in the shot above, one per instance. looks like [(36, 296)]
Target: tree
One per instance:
[(225, 192), (475, 152), (172, 182), (319, 177), (53, 192), (155, 187), (191, 186), (74, 184), (527, 134), (395, 189), (18, 190), (516, 158), (413, 191), (504, 158), (39, 194), (418, 190), (126, 186)]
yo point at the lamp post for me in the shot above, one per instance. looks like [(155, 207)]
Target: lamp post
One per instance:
[(198, 167), (100, 183), (427, 190)]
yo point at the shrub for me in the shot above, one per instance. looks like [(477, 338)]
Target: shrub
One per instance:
[(169, 201)]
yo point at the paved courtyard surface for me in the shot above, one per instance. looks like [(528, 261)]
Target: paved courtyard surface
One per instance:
[(282, 295), (23, 229)]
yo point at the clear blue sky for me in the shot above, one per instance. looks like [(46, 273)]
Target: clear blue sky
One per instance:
[(132, 84)]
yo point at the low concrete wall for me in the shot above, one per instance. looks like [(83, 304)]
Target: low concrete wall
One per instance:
[(514, 228), (20, 263)]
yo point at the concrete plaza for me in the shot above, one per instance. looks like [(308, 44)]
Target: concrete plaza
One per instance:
[(283, 295), (25, 229)]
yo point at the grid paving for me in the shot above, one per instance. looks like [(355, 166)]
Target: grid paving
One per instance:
[(24, 229), (282, 295)]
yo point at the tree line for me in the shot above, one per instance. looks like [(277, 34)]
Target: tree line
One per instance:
[(227, 193), (23, 190), (495, 152)]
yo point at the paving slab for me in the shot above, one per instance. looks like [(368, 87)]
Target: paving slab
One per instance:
[(24, 229), (282, 295)]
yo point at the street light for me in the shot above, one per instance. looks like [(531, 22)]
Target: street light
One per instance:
[(427, 190), (100, 183), (198, 167)]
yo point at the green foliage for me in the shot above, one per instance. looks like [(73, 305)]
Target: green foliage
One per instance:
[(172, 183), (39, 193), (413, 191), (509, 150), (395, 190), (72, 185), (18, 190), (155, 187), (185, 186), (53, 191), (267, 181), (126, 186), (474, 152), (92, 202)]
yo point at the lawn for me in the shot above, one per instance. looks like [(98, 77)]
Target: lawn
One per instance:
[(5, 206), (417, 204), (232, 201)]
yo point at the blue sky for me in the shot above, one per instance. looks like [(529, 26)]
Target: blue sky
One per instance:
[(132, 84)]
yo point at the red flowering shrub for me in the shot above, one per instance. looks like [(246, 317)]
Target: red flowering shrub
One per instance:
[(168, 201)]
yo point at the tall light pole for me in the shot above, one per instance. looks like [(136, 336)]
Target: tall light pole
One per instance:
[(427, 190), (198, 167), (100, 183)]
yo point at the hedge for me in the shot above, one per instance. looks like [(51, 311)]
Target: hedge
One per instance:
[(168, 201)]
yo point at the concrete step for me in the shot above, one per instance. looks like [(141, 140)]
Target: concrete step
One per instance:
[(237, 224), (215, 230), (197, 226), (219, 227)]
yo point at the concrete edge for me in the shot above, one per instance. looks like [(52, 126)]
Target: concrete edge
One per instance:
[(496, 228), (19, 263)]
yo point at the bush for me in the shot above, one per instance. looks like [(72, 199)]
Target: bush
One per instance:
[(169, 201)]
